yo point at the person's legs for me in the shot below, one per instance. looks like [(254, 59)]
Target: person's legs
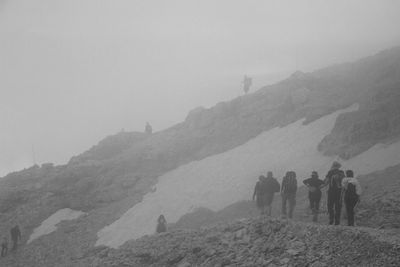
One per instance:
[(330, 208), (284, 199), (292, 204), (338, 208), (350, 204)]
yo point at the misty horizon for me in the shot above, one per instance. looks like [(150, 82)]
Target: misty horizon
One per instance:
[(73, 72)]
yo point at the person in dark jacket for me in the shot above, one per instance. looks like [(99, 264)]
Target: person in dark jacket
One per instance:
[(288, 193), (352, 192), (15, 236), (4, 247), (314, 193), (334, 182), (161, 224), (259, 195), (272, 187)]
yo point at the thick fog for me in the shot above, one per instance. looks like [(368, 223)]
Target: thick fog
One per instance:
[(73, 72)]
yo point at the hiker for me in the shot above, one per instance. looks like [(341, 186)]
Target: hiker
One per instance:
[(288, 193), (260, 191), (247, 81), (161, 224), (314, 193), (15, 236), (352, 192), (272, 187), (148, 129), (334, 182), (4, 247)]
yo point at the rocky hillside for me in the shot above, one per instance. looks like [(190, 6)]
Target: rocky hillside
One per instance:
[(114, 175), (256, 242)]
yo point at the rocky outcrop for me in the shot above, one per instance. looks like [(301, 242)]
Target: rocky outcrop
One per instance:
[(256, 242)]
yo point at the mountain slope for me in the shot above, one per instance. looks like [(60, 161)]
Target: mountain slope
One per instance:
[(120, 171)]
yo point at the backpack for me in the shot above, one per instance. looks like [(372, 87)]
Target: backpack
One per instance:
[(276, 187), (335, 182), (289, 185), (263, 187), (351, 191)]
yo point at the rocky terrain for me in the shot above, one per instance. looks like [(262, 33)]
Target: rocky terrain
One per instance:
[(256, 242), (116, 174)]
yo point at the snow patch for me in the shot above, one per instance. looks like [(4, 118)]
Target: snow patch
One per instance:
[(378, 157), (49, 225), (220, 180)]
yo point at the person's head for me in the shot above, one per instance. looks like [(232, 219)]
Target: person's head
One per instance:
[(270, 175), (287, 174), (161, 218), (349, 173), (336, 165), (314, 174), (261, 177), (293, 174)]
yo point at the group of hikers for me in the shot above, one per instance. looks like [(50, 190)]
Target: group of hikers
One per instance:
[(15, 233), (342, 187)]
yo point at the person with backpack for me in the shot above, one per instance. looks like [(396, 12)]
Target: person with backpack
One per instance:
[(161, 224), (15, 236), (333, 180), (272, 186), (288, 193), (314, 193), (352, 192)]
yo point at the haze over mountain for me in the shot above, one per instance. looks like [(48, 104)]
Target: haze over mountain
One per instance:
[(208, 163), (72, 72)]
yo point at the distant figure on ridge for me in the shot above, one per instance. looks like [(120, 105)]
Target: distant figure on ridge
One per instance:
[(288, 193), (161, 224), (352, 193), (314, 193), (247, 82), (4, 247), (15, 236), (148, 129), (334, 182)]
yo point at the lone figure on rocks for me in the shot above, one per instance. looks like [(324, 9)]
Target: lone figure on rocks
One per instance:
[(4, 247), (247, 81), (161, 224), (148, 129), (15, 236)]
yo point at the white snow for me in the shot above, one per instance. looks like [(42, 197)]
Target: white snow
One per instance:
[(50, 224), (220, 180)]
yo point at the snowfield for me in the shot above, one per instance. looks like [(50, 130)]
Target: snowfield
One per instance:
[(220, 180), (49, 225)]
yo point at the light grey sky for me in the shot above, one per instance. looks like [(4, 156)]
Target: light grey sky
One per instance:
[(74, 71)]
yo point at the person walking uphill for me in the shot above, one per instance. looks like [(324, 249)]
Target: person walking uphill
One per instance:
[(352, 193), (288, 193), (271, 187), (260, 191), (314, 193), (15, 236), (334, 182)]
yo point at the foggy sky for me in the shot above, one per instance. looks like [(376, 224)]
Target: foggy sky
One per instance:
[(73, 72)]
